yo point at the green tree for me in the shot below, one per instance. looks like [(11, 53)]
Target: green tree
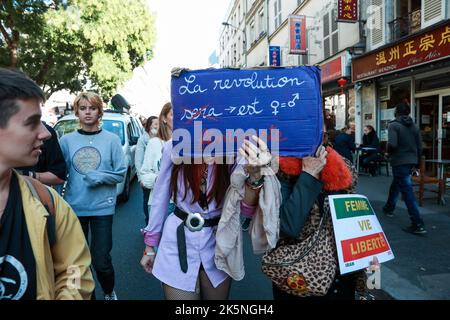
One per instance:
[(76, 44)]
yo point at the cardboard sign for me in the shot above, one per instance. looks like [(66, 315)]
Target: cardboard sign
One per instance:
[(283, 106), (358, 233)]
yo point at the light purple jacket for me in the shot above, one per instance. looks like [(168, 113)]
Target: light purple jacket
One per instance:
[(161, 232)]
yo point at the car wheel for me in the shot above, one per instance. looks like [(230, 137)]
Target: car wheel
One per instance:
[(125, 195)]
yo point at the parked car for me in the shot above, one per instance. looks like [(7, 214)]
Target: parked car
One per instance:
[(127, 127)]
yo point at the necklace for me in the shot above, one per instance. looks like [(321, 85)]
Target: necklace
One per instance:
[(91, 138), (89, 135)]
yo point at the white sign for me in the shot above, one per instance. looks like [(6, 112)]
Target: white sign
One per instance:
[(358, 233), (388, 114)]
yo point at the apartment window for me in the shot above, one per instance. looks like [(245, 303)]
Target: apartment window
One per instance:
[(277, 11), (330, 34), (239, 14), (261, 27), (252, 31), (239, 49)]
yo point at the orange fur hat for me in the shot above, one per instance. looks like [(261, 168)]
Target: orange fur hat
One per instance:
[(335, 175)]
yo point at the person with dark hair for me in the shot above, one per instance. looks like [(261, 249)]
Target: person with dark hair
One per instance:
[(344, 143), (151, 130), (404, 148), (41, 242), (370, 147), (51, 167)]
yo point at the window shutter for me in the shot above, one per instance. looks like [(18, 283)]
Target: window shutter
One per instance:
[(334, 24), (326, 47), (326, 25), (377, 25), (335, 43), (432, 12)]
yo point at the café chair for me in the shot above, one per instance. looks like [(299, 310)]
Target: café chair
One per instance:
[(422, 181)]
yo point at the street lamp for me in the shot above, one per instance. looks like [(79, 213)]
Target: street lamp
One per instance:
[(226, 24)]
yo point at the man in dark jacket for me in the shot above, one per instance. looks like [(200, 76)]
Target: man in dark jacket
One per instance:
[(404, 148), (51, 167), (344, 143)]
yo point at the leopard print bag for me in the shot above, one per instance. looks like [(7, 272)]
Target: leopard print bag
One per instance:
[(305, 266)]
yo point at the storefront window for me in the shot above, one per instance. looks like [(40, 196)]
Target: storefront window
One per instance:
[(390, 96), (337, 105)]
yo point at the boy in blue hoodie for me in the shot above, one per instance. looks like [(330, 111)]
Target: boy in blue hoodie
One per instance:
[(95, 162)]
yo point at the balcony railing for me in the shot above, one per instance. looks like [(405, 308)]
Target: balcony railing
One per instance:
[(406, 25)]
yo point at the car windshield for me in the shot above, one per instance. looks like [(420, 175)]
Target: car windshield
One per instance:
[(67, 126)]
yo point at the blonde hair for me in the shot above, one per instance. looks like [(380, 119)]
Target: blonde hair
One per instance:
[(93, 98), (164, 131)]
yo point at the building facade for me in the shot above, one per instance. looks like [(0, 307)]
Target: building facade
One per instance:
[(408, 60), (397, 50)]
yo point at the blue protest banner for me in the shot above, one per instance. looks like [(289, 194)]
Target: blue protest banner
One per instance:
[(211, 107)]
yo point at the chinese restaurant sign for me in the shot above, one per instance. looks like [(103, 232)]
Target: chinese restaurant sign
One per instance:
[(430, 46), (297, 34), (358, 233), (275, 56), (347, 11), (225, 101), (332, 70)]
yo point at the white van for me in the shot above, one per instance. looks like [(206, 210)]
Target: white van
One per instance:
[(127, 127)]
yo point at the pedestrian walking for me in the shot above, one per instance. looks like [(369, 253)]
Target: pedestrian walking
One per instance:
[(153, 153), (95, 161), (43, 253), (151, 130), (404, 149)]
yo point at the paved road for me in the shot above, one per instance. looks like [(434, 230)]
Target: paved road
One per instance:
[(420, 270), (132, 283)]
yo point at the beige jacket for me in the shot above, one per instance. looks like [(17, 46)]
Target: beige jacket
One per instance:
[(264, 229), (62, 273)]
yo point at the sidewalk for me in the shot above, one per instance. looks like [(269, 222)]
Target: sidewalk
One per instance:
[(421, 268)]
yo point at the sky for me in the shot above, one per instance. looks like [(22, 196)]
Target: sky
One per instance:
[(187, 34)]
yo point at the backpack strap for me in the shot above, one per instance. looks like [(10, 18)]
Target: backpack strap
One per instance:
[(43, 194)]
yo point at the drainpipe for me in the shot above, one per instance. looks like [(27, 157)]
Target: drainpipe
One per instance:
[(266, 10)]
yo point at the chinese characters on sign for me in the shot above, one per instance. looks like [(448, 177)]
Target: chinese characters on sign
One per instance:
[(297, 34), (430, 46), (274, 56), (347, 11)]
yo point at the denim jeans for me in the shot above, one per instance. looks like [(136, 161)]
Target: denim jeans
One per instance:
[(146, 196), (402, 184), (100, 246)]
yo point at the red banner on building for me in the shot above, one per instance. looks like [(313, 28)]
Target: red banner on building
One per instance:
[(297, 32), (331, 70), (423, 48), (347, 11)]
